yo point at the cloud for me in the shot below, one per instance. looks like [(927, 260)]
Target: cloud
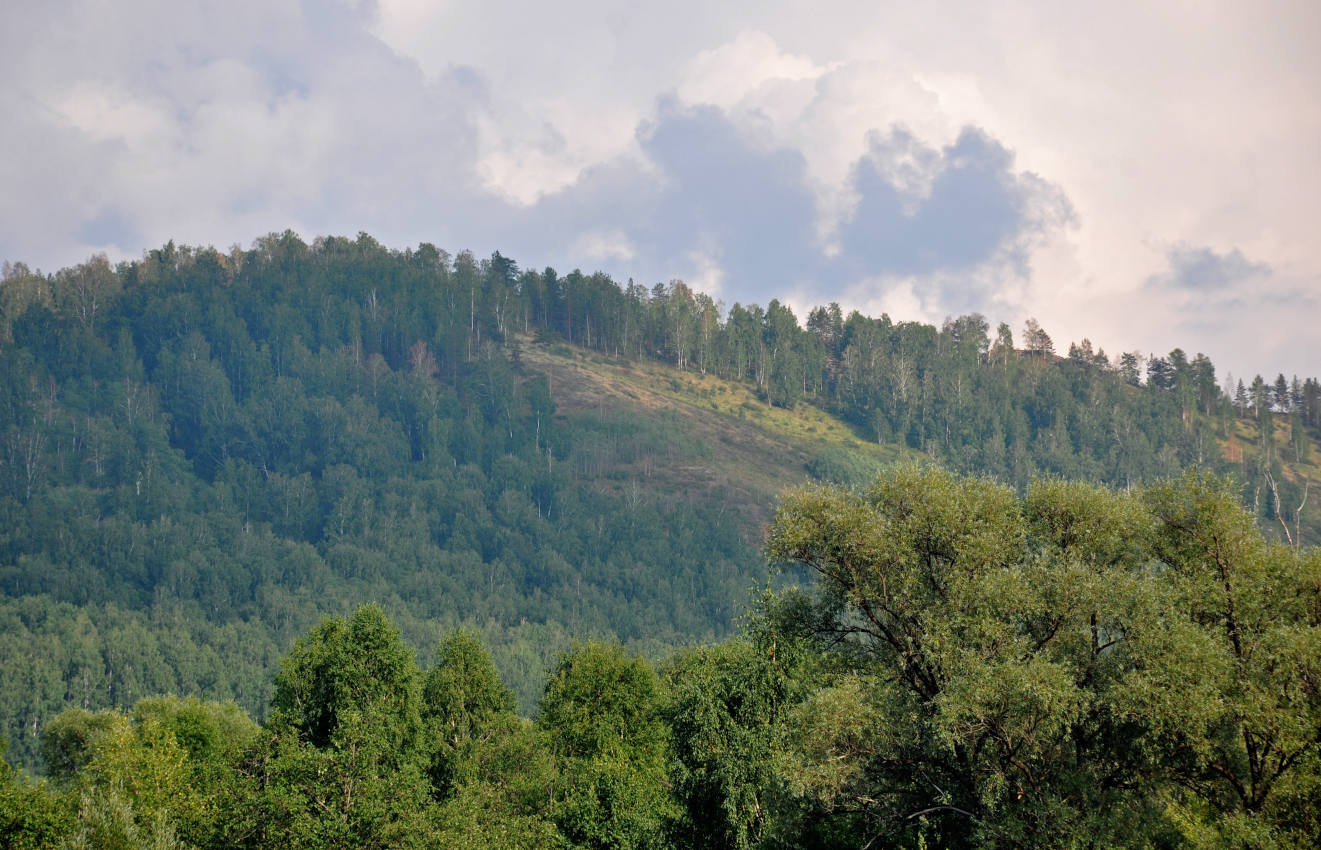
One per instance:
[(959, 219), (246, 119), (113, 230), (745, 207), (914, 156), (702, 200), (1204, 271), (738, 73), (605, 244), (922, 210), (712, 201)]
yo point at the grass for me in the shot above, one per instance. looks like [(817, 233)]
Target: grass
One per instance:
[(724, 436)]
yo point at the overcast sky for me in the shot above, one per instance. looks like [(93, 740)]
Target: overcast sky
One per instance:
[(1147, 175)]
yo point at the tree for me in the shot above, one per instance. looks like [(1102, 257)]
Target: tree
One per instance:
[(1130, 367), (1242, 729), (345, 672), (1281, 397), (493, 770), (31, 816), (70, 739), (1259, 394), (134, 783), (1080, 353), (1160, 373), (602, 712), (83, 293), (1015, 672), (785, 379), (463, 701), (1204, 379), (1003, 349), (966, 686), (342, 761), (727, 731), (213, 734), (826, 324), (1036, 340)]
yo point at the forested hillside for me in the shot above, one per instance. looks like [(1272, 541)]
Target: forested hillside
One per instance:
[(204, 454), (971, 668)]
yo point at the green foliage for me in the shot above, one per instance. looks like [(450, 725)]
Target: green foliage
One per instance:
[(840, 466), (463, 692), (150, 780), (478, 818), (726, 716), (70, 740), (107, 821), (210, 732), (1244, 739), (31, 816), (1017, 671), (205, 454), (464, 703), (344, 672), (341, 761), (602, 710), (495, 771)]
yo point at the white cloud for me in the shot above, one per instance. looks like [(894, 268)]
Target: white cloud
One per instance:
[(705, 273), (463, 123), (735, 74), (604, 245)]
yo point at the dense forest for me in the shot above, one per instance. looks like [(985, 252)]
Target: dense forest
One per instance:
[(205, 454), (1072, 667)]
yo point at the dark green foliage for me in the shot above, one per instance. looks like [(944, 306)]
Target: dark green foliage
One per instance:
[(974, 669), (211, 733), (342, 757), (70, 739), (153, 779), (464, 704), (726, 715), (204, 455), (228, 448), (345, 672), (31, 816), (839, 466), (602, 711), (494, 772)]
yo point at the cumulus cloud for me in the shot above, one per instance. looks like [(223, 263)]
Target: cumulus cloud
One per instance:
[(927, 212), (604, 245), (745, 207), (249, 118), (712, 200)]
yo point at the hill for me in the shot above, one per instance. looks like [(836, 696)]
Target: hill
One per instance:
[(206, 453)]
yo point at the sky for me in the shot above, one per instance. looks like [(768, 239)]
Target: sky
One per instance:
[(1144, 175)]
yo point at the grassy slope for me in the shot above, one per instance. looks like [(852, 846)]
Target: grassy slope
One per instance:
[(732, 441), (1241, 447)]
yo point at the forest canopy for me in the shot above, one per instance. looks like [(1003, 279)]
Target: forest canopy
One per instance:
[(1072, 667)]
